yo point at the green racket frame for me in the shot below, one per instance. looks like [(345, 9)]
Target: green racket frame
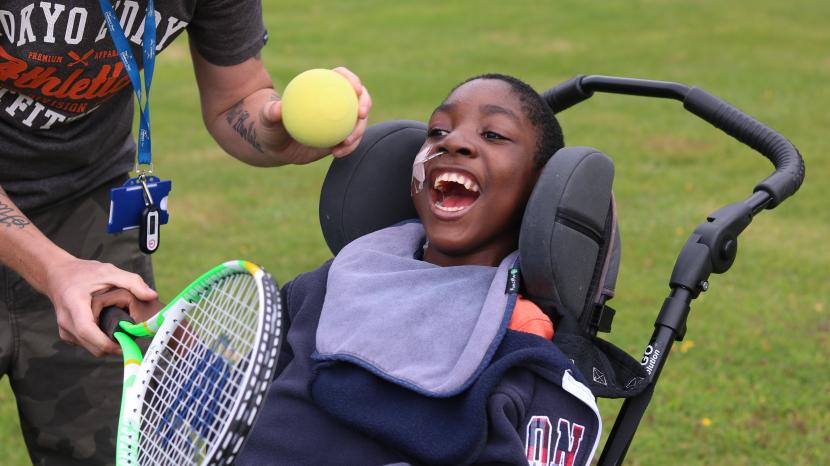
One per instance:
[(139, 369)]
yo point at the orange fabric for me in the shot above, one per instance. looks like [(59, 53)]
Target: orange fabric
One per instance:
[(528, 318)]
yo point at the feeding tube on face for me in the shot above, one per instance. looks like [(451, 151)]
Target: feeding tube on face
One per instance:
[(418, 172)]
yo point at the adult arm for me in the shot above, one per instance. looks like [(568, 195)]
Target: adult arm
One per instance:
[(69, 282), (243, 112)]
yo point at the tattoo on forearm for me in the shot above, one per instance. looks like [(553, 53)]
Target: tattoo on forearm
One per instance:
[(11, 217), (237, 117)]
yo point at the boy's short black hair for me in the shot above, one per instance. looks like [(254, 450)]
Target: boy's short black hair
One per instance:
[(537, 111)]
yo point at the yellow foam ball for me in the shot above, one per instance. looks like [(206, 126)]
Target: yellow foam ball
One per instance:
[(319, 108)]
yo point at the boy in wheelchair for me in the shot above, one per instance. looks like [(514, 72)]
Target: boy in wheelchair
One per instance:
[(413, 344)]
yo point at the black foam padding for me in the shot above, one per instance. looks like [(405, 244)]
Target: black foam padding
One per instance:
[(564, 226), (370, 189), (566, 95)]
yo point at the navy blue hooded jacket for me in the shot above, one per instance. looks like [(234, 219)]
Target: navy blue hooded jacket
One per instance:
[(526, 404)]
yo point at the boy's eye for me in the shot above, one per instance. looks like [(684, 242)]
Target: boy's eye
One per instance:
[(437, 132), (492, 135)]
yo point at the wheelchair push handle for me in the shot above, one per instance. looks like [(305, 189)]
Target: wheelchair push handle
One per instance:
[(567, 94), (789, 165)]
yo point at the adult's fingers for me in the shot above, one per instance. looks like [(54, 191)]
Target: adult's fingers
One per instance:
[(67, 337), (94, 340), (118, 297), (364, 104), (133, 283), (350, 144), (364, 100), (86, 332), (271, 112), (353, 79)]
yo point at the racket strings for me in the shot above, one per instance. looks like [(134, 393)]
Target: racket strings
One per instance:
[(205, 380), (190, 397)]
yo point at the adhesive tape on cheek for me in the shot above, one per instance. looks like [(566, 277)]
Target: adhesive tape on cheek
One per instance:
[(418, 172)]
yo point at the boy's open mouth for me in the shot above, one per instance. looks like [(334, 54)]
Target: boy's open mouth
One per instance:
[(454, 191)]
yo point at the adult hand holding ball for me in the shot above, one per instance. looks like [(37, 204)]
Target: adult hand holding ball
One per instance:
[(319, 108)]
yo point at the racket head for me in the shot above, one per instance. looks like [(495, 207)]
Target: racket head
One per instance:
[(204, 377)]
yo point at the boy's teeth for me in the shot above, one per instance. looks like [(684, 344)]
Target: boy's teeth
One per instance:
[(449, 209), (459, 178)]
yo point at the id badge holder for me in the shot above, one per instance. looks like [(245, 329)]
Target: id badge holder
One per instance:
[(140, 203)]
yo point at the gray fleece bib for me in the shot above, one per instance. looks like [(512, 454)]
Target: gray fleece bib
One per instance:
[(428, 328)]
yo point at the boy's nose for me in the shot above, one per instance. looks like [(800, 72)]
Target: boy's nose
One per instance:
[(457, 143)]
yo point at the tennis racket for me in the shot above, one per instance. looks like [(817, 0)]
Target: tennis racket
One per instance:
[(195, 394)]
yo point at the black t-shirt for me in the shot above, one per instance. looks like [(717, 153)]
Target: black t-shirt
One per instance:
[(66, 103)]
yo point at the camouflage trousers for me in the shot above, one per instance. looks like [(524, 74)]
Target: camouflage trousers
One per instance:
[(67, 399)]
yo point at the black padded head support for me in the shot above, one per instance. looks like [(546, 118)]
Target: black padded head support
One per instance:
[(369, 189), (566, 228), (569, 247)]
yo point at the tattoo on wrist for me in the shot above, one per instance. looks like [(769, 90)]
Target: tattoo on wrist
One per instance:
[(237, 117), (11, 217)]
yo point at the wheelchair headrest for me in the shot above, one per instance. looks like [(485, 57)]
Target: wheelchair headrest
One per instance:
[(569, 243), (569, 258), (369, 189)]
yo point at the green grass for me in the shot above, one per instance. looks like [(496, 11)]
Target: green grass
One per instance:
[(749, 385)]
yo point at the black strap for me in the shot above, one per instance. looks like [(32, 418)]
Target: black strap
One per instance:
[(610, 371)]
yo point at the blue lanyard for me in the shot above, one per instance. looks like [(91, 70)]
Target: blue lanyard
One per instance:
[(126, 54)]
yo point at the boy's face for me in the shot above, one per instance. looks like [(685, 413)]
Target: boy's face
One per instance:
[(474, 195)]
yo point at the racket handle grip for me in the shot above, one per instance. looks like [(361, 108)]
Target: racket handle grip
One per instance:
[(109, 319)]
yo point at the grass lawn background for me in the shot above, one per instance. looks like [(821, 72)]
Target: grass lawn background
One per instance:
[(749, 384)]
